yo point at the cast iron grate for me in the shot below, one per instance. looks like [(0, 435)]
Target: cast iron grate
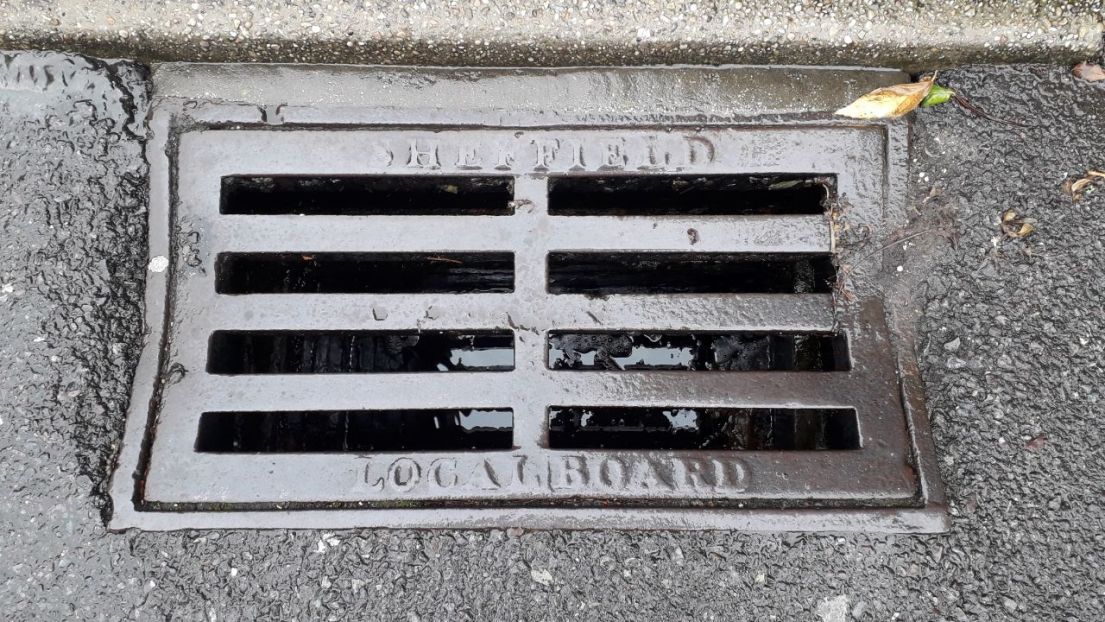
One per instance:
[(526, 326)]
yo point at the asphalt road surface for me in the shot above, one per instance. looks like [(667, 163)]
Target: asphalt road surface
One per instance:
[(1010, 344)]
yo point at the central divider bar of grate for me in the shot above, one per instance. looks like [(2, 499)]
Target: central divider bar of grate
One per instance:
[(530, 425)]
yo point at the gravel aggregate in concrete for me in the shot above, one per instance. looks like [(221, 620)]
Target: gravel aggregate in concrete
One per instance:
[(1017, 424), (908, 34)]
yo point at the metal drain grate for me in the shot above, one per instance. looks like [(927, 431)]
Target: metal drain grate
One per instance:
[(545, 326)]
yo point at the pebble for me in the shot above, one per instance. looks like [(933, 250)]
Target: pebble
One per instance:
[(955, 362), (158, 264), (833, 609), (542, 577)]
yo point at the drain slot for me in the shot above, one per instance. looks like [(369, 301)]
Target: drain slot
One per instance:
[(338, 431), (357, 352), (686, 273), (744, 429), (698, 351), (382, 195), (362, 273), (716, 195)]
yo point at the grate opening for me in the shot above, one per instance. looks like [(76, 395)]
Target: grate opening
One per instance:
[(717, 195), (338, 431), (382, 195), (743, 429), (698, 273), (356, 352), (362, 273), (745, 351)]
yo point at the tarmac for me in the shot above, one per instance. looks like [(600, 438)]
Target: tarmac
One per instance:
[(1010, 349)]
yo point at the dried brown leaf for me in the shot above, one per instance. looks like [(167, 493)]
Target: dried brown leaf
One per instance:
[(889, 102), (1078, 186), (1089, 72), (1016, 226), (1075, 187)]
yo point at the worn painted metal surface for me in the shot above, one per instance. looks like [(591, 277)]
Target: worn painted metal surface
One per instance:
[(697, 127)]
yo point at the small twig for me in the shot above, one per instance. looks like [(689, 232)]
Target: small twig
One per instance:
[(968, 105), (444, 259)]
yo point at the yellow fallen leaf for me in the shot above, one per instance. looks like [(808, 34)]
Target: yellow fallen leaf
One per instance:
[(888, 102)]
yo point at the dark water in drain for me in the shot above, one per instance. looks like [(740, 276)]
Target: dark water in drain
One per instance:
[(335, 352), (355, 431), (748, 429), (710, 195), (384, 195), (603, 273), (364, 273)]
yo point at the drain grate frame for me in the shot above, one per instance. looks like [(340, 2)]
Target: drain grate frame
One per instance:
[(163, 483)]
